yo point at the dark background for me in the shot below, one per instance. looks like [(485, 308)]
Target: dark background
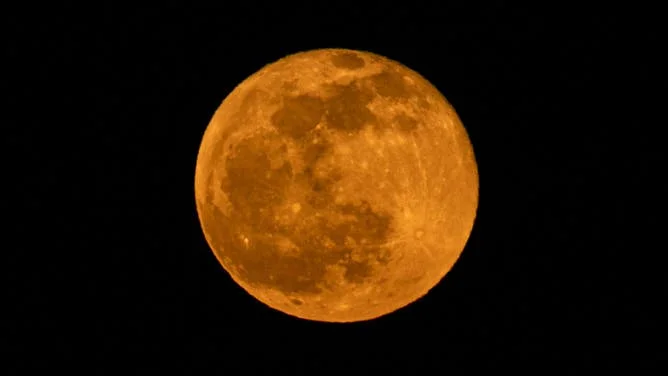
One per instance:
[(106, 264)]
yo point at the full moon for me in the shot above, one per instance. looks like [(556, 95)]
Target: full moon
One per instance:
[(336, 185)]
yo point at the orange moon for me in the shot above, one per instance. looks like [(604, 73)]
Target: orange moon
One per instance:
[(336, 185)]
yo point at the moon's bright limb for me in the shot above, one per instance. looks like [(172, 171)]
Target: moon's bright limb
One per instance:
[(336, 185)]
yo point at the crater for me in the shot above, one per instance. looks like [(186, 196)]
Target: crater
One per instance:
[(405, 123), (289, 86), (347, 60), (419, 233)]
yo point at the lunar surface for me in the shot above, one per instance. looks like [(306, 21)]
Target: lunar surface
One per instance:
[(336, 185)]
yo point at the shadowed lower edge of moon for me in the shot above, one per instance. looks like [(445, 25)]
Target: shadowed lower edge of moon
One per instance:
[(306, 248)]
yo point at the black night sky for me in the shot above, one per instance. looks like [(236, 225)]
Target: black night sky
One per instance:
[(106, 265)]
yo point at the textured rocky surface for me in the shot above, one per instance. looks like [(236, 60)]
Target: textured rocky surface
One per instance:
[(335, 185)]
